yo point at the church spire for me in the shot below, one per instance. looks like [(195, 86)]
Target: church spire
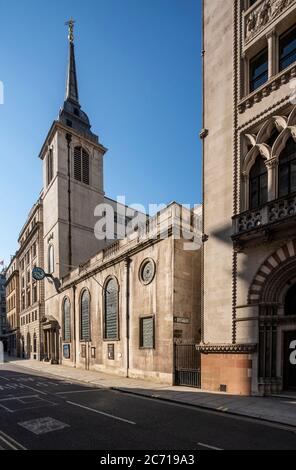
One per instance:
[(72, 85), (71, 114)]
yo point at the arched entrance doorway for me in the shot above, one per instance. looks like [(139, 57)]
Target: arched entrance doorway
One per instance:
[(274, 292)]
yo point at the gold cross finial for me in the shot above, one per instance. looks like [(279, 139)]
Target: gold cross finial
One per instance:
[(70, 24)]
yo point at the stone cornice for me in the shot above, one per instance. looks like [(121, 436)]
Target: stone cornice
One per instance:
[(226, 348), (69, 130)]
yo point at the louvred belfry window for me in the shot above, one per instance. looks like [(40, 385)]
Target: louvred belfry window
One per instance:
[(85, 317), (81, 165), (85, 167), (111, 310)]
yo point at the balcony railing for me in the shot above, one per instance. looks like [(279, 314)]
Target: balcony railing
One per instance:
[(279, 210)]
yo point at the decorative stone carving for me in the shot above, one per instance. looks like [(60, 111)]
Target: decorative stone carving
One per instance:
[(265, 90), (147, 271), (265, 12), (282, 209), (249, 221)]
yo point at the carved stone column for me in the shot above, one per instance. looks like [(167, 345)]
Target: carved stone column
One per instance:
[(272, 53), (272, 166), (245, 192)]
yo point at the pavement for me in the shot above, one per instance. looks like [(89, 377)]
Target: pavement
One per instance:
[(280, 410), (42, 411)]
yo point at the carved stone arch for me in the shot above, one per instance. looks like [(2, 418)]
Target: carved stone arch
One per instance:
[(250, 139), (282, 140), (273, 274), (251, 156), (292, 118), (276, 122)]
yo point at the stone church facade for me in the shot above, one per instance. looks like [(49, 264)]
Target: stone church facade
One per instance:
[(114, 304), (249, 182)]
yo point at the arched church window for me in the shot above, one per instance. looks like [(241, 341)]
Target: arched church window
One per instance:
[(85, 316), (290, 301), (50, 259), (258, 184), (66, 320), (287, 169), (111, 330), (81, 165)]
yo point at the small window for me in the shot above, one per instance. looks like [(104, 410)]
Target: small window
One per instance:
[(259, 70), (258, 184), (35, 343), (69, 123), (287, 49), (49, 166), (147, 333), (28, 298), (35, 293), (50, 259)]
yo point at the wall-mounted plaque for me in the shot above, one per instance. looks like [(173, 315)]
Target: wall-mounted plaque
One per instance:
[(66, 351), (83, 351), (183, 320)]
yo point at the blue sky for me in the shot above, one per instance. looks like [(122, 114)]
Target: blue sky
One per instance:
[(139, 76)]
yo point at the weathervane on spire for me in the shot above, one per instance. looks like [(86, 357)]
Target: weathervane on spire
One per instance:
[(70, 24)]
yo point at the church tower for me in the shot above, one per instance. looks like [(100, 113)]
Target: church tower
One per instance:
[(73, 182)]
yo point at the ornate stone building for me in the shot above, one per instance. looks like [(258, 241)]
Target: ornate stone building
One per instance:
[(30, 255), (3, 308), (249, 184), (13, 307)]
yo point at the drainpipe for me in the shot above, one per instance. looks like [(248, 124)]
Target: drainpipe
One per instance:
[(203, 176), (69, 139), (74, 324), (127, 298)]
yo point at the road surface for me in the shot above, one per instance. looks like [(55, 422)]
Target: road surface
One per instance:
[(41, 412)]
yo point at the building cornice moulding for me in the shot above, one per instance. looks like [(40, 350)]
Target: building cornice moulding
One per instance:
[(226, 348)]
